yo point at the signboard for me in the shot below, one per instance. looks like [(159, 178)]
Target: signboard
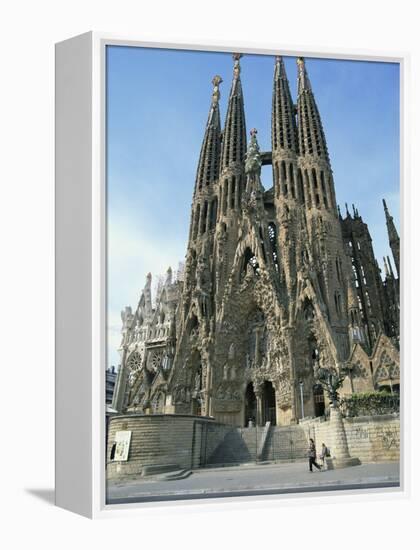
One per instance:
[(122, 440)]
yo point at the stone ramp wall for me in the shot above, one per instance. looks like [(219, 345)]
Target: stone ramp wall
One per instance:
[(369, 438)]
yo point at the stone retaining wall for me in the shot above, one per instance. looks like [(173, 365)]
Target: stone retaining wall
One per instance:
[(369, 438), (158, 439)]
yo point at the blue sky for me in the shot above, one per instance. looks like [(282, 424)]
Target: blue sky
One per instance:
[(157, 106)]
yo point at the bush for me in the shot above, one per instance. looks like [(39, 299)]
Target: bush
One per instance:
[(370, 404)]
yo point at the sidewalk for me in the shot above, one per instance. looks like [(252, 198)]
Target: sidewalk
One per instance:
[(254, 479)]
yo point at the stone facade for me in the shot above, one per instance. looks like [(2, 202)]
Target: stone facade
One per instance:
[(276, 282)]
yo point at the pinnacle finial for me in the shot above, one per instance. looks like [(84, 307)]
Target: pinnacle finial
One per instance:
[(347, 209), (216, 81), (280, 70), (236, 66), (385, 206), (303, 79), (253, 159)]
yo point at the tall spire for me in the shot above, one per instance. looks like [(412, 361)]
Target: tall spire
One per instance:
[(283, 123), (209, 162), (311, 133), (234, 135), (394, 239)]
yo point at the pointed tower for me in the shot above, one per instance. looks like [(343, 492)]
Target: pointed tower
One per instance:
[(394, 239), (204, 208), (231, 179), (392, 303), (233, 147), (284, 137), (287, 179), (365, 273), (330, 260)]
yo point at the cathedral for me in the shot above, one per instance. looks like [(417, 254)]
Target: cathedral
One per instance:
[(276, 282)]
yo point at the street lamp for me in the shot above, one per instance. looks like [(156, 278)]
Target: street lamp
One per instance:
[(301, 398)]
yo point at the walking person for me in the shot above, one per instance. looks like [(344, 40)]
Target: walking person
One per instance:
[(312, 455), (324, 454)]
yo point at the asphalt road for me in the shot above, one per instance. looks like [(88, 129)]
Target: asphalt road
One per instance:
[(255, 479)]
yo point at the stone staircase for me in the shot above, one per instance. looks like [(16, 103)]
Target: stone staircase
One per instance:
[(239, 446), (244, 445)]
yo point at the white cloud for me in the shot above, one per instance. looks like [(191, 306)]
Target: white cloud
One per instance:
[(132, 253)]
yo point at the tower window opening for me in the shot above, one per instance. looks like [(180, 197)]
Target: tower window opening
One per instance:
[(283, 170), (213, 213), (272, 237), (359, 302), (224, 194), (324, 190), (337, 298), (291, 175), (300, 187), (232, 194), (203, 218), (338, 268), (196, 222), (368, 300), (314, 178)]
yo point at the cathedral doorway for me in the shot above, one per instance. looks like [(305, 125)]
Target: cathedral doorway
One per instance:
[(319, 401), (269, 403), (250, 405)]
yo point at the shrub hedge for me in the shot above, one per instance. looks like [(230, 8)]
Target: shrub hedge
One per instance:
[(370, 404)]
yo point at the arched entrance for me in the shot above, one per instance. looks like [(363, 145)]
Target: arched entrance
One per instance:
[(250, 405), (319, 401), (269, 403)]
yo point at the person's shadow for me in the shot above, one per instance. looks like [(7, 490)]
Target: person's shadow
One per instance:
[(47, 495)]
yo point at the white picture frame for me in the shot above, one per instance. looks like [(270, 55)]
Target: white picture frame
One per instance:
[(80, 265)]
